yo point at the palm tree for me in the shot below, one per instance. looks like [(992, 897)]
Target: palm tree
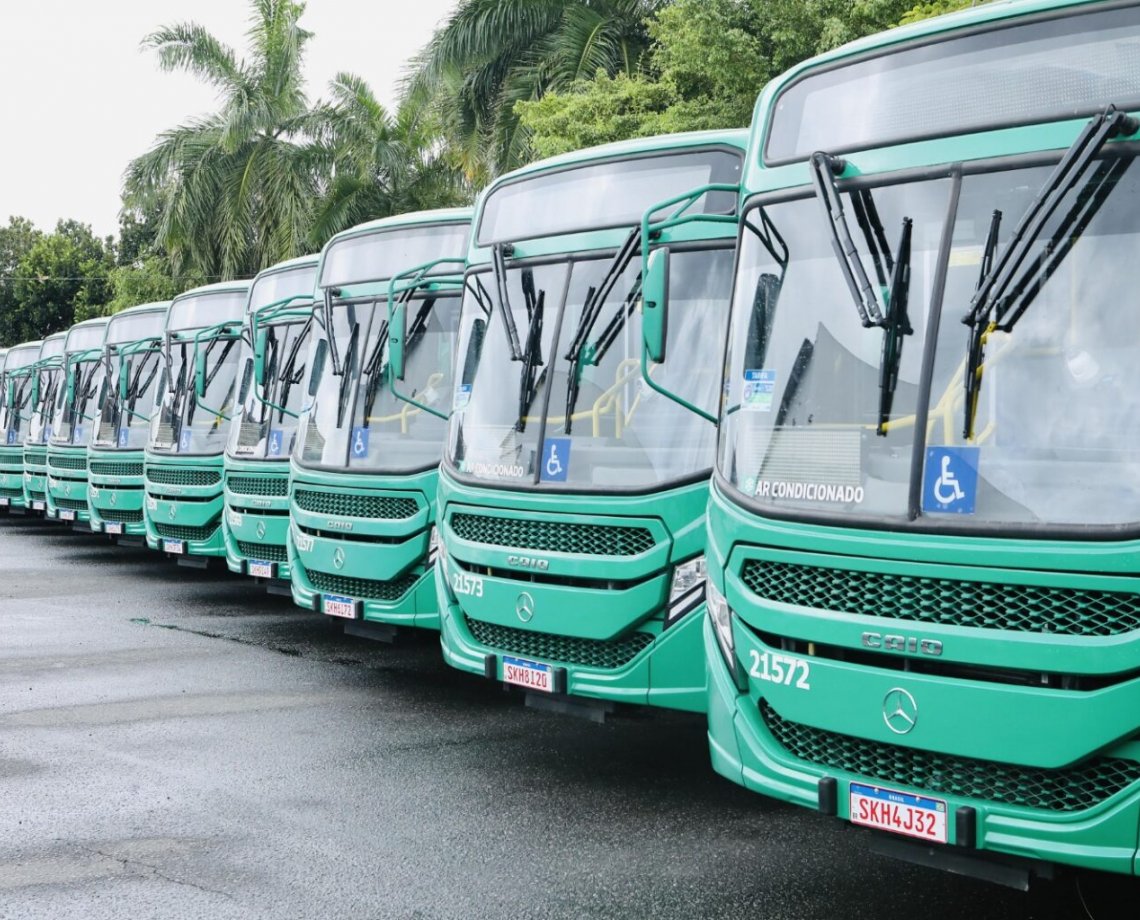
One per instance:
[(494, 53), (237, 185), (379, 165)]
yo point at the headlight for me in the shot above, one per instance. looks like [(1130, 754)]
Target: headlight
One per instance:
[(687, 589), (721, 618)]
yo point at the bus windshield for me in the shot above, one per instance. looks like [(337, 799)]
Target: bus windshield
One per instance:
[(186, 422), (72, 412), (17, 394), (355, 420), (1057, 428), (608, 431), (124, 424)]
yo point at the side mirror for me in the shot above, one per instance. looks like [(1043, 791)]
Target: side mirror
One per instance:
[(654, 304), (260, 345), (397, 332), (200, 371), (318, 366)]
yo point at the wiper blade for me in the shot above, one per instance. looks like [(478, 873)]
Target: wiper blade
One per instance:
[(290, 375), (372, 369), (532, 356), (580, 351), (824, 169), (345, 375), (1005, 290), (896, 325), (499, 267)]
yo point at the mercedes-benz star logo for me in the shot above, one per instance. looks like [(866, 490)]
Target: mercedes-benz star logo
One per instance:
[(524, 607), (114, 497), (171, 511), (261, 530), (338, 558), (900, 711), (67, 488)]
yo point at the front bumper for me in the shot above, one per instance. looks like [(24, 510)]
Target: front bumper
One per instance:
[(184, 508), (667, 671), (12, 478), (255, 525), (35, 478), (116, 493), (67, 486)]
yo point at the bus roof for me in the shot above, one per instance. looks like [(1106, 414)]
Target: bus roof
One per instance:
[(152, 307), (311, 258), (23, 354), (410, 219)]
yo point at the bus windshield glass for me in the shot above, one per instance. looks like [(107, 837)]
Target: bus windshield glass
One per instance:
[(17, 394), (71, 416), (188, 422), (355, 420), (1057, 430), (606, 194), (607, 430), (1047, 69), (276, 286), (124, 424)]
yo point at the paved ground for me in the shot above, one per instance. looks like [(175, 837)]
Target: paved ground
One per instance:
[(178, 743)]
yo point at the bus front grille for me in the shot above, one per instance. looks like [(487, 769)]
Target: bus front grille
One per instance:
[(263, 552), (70, 504), (122, 517), (552, 536), (606, 654), (946, 601), (67, 462), (34, 456), (173, 476), (364, 588), (1067, 789), (259, 485), (383, 507), (116, 468), (189, 534)]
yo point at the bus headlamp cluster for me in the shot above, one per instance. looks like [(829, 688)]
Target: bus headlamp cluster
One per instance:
[(687, 590), (721, 617)]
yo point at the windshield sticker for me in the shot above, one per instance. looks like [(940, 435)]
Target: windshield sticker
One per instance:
[(11, 436), (359, 442), (77, 435), (806, 491), (124, 437), (759, 388), (245, 450), (274, 446), (462, 397), (950, 480), (485, 470), (555, 460), (184, 440)]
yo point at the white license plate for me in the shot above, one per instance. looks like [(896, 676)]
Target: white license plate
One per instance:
[(66, 514), (528, 674), (38, 506), (899, 812), (259, 569), (174, 546), (336, 606), (4, 502), (112, 527)]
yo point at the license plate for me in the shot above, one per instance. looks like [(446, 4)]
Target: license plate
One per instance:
[(66, 514), (899, 812), (38, 506), (4, 503), (259, 569), (174, 546), (528, 674), (336, 606), (112, 527)]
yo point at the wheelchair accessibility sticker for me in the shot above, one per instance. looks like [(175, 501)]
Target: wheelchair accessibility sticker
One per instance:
[(359, 443), (11, 436), (184, 440), (274, 446), (124, 437), (555, 460), (950, 481)]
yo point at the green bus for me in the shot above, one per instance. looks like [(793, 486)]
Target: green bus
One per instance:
[(363, 471), (197, 394), (76, 406), (132, 358), (16, 397), (573, 487), (924, 528), (279, 318), (46, 376)]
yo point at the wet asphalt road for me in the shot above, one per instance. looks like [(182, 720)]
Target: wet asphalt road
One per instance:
[(178, 743)]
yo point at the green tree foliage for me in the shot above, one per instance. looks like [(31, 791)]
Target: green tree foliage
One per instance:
[(16, 240), (61, 279), (936, 8), (238, 185), (492, 54), (707, 64), (379, 165)]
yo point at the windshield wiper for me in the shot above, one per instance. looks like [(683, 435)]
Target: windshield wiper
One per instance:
[(1005, 290), (580, 351), (499, 267), (373, 369), (290, 375), (345, 375), (894, 322), (532, 356)]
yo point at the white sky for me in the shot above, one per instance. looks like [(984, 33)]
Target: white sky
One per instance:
[(80, 99)]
